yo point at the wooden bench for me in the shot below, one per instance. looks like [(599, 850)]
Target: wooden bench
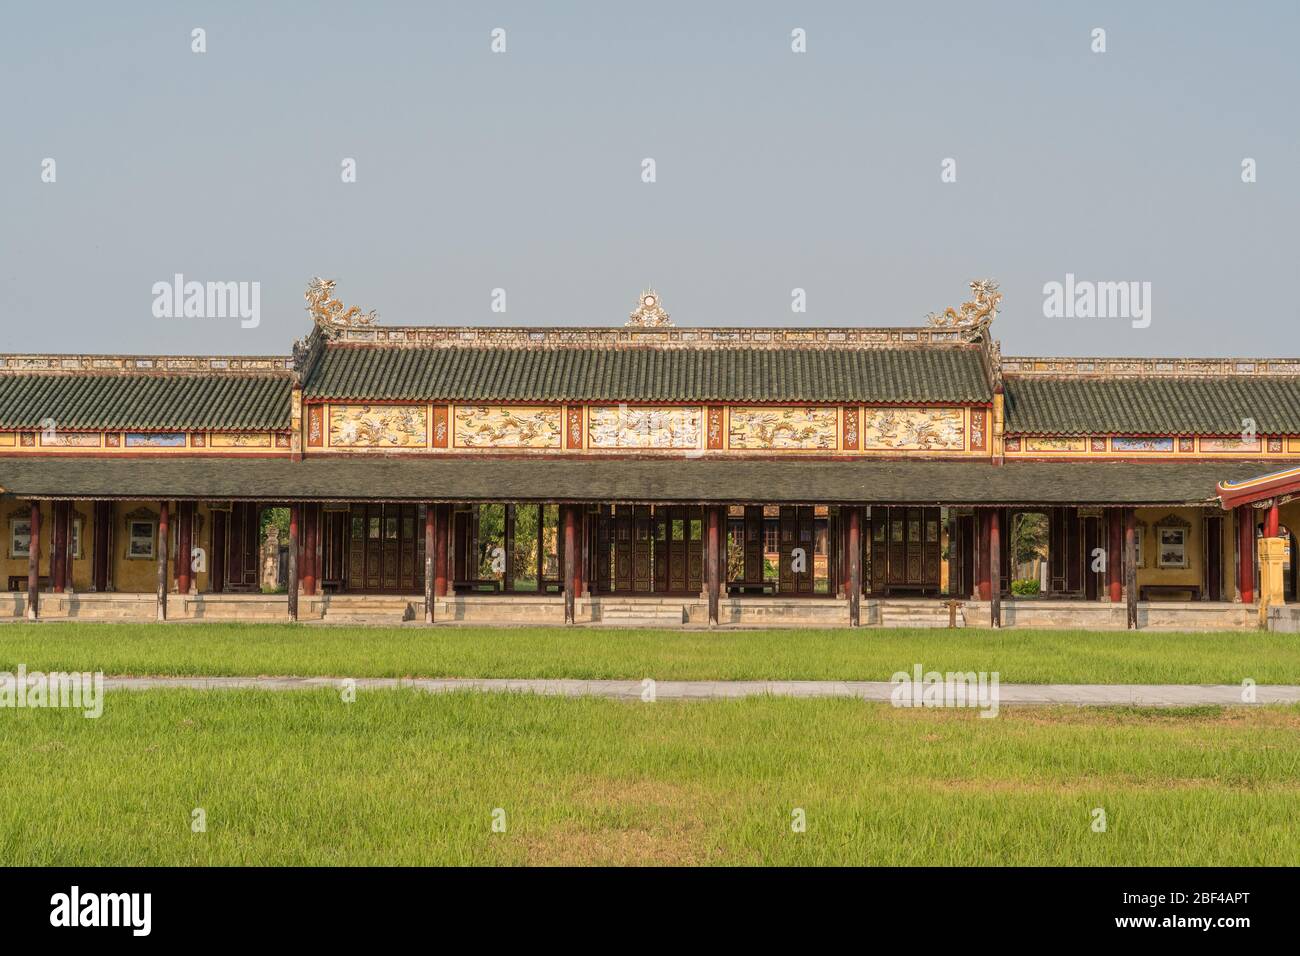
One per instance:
[(18, 582), (1146, 590), (489, 585), (740, 587)]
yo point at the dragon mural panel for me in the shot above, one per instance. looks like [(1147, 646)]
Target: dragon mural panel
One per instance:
[(378, 426), (804, 428), (625, 427), (503, 426), (1052, 443), (913, 429), (241, 439)]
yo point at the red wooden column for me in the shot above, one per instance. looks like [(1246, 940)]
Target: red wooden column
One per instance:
[(1272, 524), (34, 565), (184, 545), (995, 566), (58, 545), (843, 568), (1246, 553), (294, 518), (855, 566), (713, 563), (313, 548), (67, 546), (99, 556), (430, 510), (1115, 556), (164, 530), (579, 551), (1130, 568), (982, 551), (570, 560), (304, 547), (441, 527)]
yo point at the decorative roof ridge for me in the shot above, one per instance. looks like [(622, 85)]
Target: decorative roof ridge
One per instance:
[(705, 337), (1083, 367), (106, 364)]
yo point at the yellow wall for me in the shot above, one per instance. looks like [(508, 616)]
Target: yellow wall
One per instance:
[(1193, 574), (128, 574)]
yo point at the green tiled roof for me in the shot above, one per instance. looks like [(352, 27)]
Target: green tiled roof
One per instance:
[(151, 402), (1152, 406), (436, 478), (923, 374)]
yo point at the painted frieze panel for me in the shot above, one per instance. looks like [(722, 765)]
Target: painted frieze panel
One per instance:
[(440, 426), (575, 426), (763, 428), (913, 429), (1055, 443), (6, 439), (623, 426), (155, 439), (378, 426), (716, 435), (241, 439), (58, 439), (503, 426), (978, 430), (850, 428), (1216, 446), (1139, 445), (315, 426)]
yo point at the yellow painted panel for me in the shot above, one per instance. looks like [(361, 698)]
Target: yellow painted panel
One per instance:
[(913, 429), (378, 426), (506, 426), (807, 427)]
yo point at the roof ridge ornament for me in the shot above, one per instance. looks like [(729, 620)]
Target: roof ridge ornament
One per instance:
[(974, 315), (328, 312), (649, 313)]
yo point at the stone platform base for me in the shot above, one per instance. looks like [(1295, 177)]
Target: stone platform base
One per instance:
[(1285, 619), (1102, 615), (660, 612)]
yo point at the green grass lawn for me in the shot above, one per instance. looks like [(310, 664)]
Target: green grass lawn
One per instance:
[(400, 777), (867, 654)]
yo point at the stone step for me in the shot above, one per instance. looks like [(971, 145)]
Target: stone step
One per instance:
[(643, 615), (639, 622)]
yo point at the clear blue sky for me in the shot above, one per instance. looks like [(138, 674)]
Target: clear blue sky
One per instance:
[(775, 170)]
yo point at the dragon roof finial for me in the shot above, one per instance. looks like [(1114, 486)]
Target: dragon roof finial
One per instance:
[(976, 314), (329, 312)]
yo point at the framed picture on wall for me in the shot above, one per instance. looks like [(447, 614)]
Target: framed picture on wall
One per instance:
[(140, 544), (20, 537), (1172, 547)]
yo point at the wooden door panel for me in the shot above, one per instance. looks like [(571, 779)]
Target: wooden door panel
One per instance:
[(753, 545), (623, 549), (642, 545), (695, 550), (787, 534), (879, 548), (931, 549)]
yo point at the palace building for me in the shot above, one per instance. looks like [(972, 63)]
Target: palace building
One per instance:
[(651, 472)]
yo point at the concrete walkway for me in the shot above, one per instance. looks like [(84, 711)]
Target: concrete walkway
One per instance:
[(1106, 695)]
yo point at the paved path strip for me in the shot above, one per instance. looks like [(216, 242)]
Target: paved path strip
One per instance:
[(1105, 695)]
